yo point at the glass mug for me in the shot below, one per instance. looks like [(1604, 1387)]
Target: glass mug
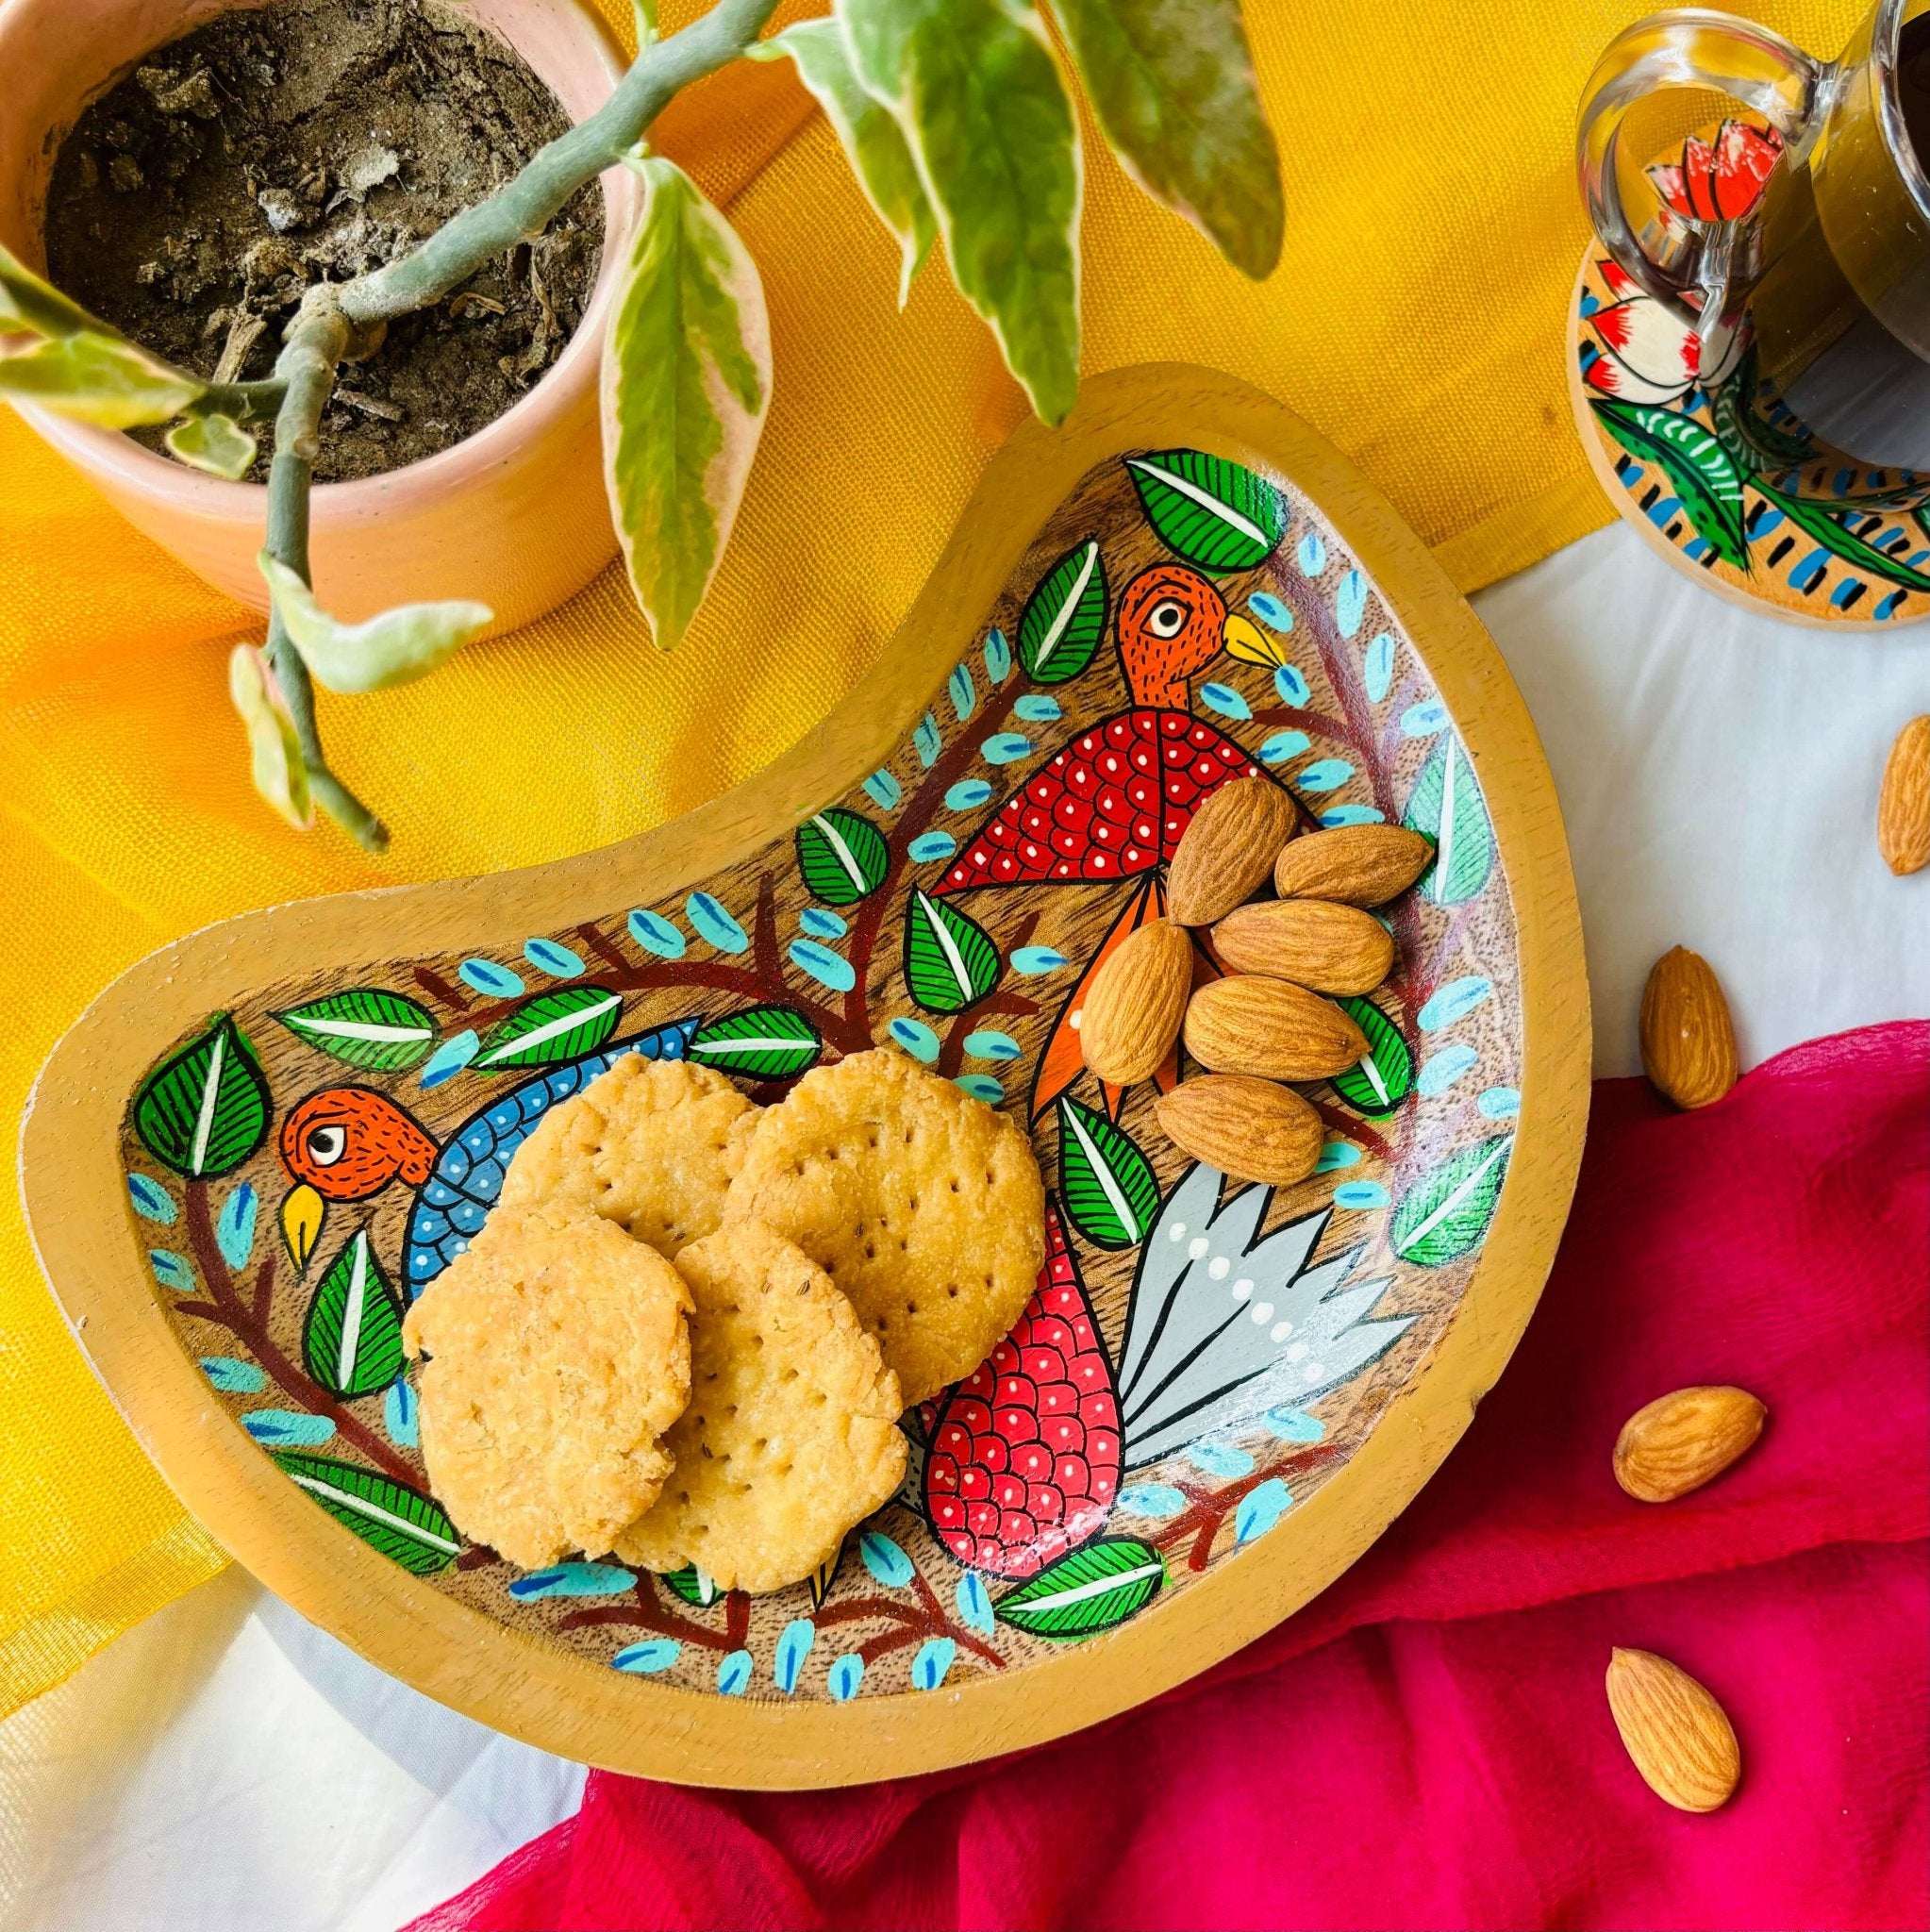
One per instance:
[(1830, 261)]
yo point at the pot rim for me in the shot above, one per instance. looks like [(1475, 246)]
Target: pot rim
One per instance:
[(530, 418)]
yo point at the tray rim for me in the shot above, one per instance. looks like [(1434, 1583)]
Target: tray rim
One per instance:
[(71, 1183)]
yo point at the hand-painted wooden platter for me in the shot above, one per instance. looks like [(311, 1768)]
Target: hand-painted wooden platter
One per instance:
[(259, 1143)]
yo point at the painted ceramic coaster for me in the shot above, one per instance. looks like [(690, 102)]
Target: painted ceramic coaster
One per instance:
[(1711, 465), (259, 1145)]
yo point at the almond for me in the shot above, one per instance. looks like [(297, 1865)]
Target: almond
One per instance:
[(1358, 865), (1680, 1442), (1227, 848), (1679, 1736), (1136, 1002), (1688, 1046), (1272, 1028), (1311, 942), (1251, 1129), (1903, 807)]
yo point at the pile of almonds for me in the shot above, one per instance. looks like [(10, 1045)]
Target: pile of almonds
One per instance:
[(1269, 1021)]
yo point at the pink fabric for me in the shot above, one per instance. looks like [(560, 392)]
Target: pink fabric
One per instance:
[(1429, 1743)]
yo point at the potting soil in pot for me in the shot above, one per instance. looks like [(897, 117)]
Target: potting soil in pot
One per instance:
[(194, 202)]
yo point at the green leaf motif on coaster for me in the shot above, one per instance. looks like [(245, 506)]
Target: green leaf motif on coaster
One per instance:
[(1172, 85), (1827, 527), (366, 1026), (1448, 1211), (552, 1027), (1065, 617), (686, 383), (758, 1042), (1108, 1184), (692, 1584), (950, 960), (1216, 514), (213, 442), (842, 856), (1376, 1084), (352, 1336), (1447, 806), (275, 762), (1700, 471), (204, 1110), (390, 648), (400, 1522), (99, 380), (1092, 1590)]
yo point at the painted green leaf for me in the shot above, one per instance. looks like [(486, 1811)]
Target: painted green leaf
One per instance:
[(950, 961), (1700, 471), (1172, 85), (554, 1026), (759, 1042), (1378, 1083), (1751, 438), (275, 762), (400, 1522), (213, 442), (872, 139), (1094, 1589), (1064, 617), (99, 380), (367, 1027), (1836, 536), (1448, 1210), (1106, 1184), (976, 91), (1216, 514), (1446, 805), (204, 1110), (352, 1336), (390, 648), (28, 302), (686, 383), (842, 856), (692, 1584)]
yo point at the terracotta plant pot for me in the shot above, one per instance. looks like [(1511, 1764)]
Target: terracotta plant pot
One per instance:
[(515, 515)]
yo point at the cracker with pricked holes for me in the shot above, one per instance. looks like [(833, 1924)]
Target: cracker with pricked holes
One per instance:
[(923, 1205), (558, 1355), (651, 1144), (792, 1434)]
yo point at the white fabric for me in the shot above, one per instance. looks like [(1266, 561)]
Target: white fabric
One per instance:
[(227, 1765)]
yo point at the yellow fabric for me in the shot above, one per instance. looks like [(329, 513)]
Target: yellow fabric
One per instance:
[(1417, 319)]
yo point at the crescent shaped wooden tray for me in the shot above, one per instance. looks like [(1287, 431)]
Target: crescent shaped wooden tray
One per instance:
[(1220, 1394)]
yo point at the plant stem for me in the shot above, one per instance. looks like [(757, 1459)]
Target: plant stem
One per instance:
[(522, 210), (242, 402)]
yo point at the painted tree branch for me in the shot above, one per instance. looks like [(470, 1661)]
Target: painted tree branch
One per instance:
[(1206, 1510)]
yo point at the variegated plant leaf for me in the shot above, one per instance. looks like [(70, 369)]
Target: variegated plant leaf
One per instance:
[(280, 772), (213, 442), (393, 647), (99, 380), (30, 304)]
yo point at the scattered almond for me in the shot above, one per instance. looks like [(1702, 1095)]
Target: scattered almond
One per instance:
[(1680, 1442), (1136, 1002), (1269, 1027), (1313, 942), (1248, 1128), (1688, 1043), (1227, 848), (1903, 807), (1679, 1736), (1358, 865)]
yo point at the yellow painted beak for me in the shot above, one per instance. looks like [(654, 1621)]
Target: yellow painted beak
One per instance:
[(302, 1210), (1247, 641)]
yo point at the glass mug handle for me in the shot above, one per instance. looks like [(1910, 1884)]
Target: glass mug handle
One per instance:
[(1692, 47)]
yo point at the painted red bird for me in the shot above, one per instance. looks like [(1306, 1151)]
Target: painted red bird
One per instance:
[(345, 1144)]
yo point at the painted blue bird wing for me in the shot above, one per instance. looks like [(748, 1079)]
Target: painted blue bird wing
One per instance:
[(452, 1204)]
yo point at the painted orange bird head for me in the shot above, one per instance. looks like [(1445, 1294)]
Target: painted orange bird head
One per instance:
[(1172, 622), (345, 1144)]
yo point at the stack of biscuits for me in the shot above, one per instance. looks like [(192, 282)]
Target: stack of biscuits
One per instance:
[(690, 1327)]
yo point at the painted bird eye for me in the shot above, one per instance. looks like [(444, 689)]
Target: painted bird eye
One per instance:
[(325, 1146), (1167, 618)]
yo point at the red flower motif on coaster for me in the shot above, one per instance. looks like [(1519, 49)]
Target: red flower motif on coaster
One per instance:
[(1720, 180)]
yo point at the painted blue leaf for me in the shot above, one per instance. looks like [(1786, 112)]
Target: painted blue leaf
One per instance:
[(152, 1201), (993, 1045), (1440, 1073), (935, 1657), (1311, 554), (1362, 1195), (1004, 748), (1350, 603), (1291, 685), (402, 1415), (486, 976), (1352, 815), (1270, 610), (1032, 960), (963, 692), (1219, 1458), (234, 1229), (1260, 1510), (968, 795), (882, 789), (1294, 1424), (827, 966), (794, 1646), (734, 1674), (287, 1429), (1423, 721), (981, 1087), (1151, 1499), (1501, 1102), (1284, 746), (998, 657), (1336, 1155), (233, 1377), (930, 847), (1323, 774), (1377, 667), (573, 1580), (845, 1674), (1223, 699), (647, 1659), (1036, 708), (926, 742), (559, 962), (450, 1057), (916, 1038), (884, 1559), (714, 926), (821, 924), (974, 1602), (1455, 1001), (171, 1270), (656, 934)]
